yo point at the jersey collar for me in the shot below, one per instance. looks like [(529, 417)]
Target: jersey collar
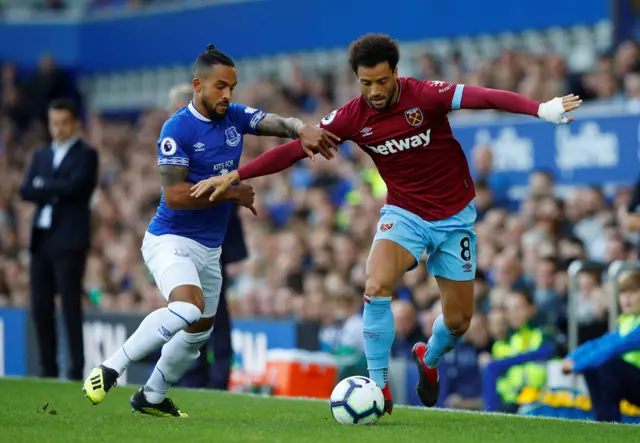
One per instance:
[(196, 114), (399, 90)]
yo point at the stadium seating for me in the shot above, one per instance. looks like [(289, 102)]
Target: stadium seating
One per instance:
[(580, 45)]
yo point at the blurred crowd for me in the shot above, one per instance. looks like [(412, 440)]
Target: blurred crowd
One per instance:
[(61, 6), (309, 243)]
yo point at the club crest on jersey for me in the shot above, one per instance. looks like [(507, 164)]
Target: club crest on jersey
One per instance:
[(384, 227), (233, 138), (414, 116)]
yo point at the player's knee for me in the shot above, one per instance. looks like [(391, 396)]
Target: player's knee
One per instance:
[(374, 287), (188, 294), (202, 325), (458, 322)]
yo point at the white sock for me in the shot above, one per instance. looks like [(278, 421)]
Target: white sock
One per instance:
[(155, 330), (178, 355)]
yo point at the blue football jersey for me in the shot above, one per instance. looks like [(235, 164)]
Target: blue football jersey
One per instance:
[(207, 147)]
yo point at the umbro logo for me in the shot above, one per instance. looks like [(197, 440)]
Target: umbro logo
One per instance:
[(366, 132), (165, 332), (181, 253), (199, 146)]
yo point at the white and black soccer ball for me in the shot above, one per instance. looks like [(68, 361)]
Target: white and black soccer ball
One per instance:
[(357, 401)]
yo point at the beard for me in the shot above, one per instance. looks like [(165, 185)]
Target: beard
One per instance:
[(211, 107), (213, 113), (388, 102)]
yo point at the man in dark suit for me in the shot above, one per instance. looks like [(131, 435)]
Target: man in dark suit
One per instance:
[(60, 181), (207, 374)]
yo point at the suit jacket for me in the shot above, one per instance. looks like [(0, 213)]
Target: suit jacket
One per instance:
[(68, 189)]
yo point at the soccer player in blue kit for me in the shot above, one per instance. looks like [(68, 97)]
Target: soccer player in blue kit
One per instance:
[(181, 247)]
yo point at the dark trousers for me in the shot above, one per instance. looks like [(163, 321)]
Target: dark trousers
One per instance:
[(614, 381), (214, 375), (57, 272)]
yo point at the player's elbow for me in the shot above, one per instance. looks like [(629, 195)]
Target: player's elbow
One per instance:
[(171, 204), (172, 199), (175, 204)]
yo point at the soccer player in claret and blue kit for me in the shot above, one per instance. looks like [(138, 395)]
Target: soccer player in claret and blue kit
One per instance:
[(182, 245), (402, 124)]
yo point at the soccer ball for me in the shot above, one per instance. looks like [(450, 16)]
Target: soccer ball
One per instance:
[(357, 401)]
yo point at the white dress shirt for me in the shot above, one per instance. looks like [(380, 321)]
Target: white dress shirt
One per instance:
[(60, 150)]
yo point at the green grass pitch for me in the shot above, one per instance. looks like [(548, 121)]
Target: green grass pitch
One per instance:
[(222, 417)]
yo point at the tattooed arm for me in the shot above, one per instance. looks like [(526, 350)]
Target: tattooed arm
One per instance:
[(273, 124), (314, 139), (177, 191)]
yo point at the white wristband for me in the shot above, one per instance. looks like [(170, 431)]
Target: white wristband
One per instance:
[(553, 111)]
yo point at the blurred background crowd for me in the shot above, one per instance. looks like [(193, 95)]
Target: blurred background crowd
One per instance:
[(309, 243), (97, 6)]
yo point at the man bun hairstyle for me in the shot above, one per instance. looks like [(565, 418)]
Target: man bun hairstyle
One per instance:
[(210, 57), (371, 49)]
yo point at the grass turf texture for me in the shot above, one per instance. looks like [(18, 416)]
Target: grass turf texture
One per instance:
[(222, 417)]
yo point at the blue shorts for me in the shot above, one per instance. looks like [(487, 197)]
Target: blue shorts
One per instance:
[(450, 243)]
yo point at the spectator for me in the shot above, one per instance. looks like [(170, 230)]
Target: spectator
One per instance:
[(462, 380), (541, 184), (484, 198), (407, 329), (611, 363), (524, 338), (482, 167), (47, 84), (592, 306), (632, 222), (343, 338), (545, 296)]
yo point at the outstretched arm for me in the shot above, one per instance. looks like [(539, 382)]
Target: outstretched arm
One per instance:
[(276, 159), (477, 97), (594, 353), (277, 126), (271, 162), (313, 139), (451, 97)]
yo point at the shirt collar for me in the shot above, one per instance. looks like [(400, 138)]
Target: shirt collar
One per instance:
[(399, 90), (65, 145), (196, 114)]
